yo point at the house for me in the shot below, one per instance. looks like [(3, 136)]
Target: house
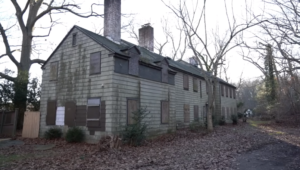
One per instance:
[(96, 82)]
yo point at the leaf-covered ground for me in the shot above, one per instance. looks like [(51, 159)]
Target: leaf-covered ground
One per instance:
[(228, 147)]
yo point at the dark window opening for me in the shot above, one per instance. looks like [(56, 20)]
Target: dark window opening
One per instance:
[(95, 63), (74, 39)]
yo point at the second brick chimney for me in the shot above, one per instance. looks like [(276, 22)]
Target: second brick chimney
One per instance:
[(146, 37)]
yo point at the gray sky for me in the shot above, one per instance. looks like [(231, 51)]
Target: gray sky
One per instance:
[(143, 11)]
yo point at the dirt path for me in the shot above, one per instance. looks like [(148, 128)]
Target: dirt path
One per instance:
[(228, 147)]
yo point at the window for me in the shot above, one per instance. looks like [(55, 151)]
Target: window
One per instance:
[(132, 106), (226, 90), (53, 71), (195, 84), (230, 94), (95, 63), (234, 93), (96, 115), (206, 87), (196, 112), (74, 39), (165, 112), (51, 112), (200, 84), (186, 109), (164, 73), (222, 89), (185, 82)]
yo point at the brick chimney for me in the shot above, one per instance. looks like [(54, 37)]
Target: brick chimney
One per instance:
[(112, 20), (146, 37)]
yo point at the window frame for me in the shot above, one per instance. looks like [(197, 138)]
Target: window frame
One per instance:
[(99, 72), (185, 79), (195, 85), (74, 39)]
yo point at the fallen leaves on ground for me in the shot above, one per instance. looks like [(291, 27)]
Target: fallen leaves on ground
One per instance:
[(180, 150)]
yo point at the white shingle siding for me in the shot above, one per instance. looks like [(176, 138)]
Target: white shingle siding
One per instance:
[(74, 83)]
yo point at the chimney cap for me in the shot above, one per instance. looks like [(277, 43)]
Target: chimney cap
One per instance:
[(146, 25)]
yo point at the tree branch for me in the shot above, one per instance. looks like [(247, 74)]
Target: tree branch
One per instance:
[(19, 14), (7, 77), (7, 47), (38, 61)]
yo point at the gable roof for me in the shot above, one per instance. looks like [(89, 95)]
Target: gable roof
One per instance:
[(147, 56)]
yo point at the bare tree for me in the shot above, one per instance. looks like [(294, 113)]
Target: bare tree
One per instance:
[(209, 52), (35, 11)]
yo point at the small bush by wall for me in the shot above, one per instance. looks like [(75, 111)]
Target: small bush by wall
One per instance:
[(135, 134), (53, 133), (75, 134), (234, 119)]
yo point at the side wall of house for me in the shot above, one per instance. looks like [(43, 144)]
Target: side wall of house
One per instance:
[(150, 94), (74, 82), (228, 106), (190, 98)]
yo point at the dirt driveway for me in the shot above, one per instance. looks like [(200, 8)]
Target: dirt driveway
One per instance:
[(245, 146)]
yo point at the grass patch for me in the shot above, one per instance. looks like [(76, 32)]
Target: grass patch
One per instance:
[(6, 159), (256, 123)]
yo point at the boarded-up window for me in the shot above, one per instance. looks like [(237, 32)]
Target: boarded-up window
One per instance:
[(185, 82), (133, 62), (121, 65), (230, 92), (80, 116), (200, 84), (165, 111), (102, 116), (93, 113), (74, 39), (186, 109), (164, 73), (195, 84), (95, 63), (51, 112), (132, 106), (196, 112), (53, 70), (70, 109)]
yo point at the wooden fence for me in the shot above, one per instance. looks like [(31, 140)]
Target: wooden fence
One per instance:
[(31, 125), (8, 123)]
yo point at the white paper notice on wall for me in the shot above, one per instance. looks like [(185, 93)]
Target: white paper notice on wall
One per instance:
[(60, 116)]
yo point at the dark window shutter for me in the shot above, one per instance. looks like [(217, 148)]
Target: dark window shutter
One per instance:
[(74, 39), (70, 109), (226, 90), (195, 84), (196, 112), (230, 92), (51, 112), (164, 111), (222, 90), (132, 106), (200, 84), (95, 63), (164, 73), (53, 70), (102, 116), (185, 82), (80, 117), (186, 108)]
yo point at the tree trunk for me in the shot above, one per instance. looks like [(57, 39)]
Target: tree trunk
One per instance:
[(210, 126), (21, 82)]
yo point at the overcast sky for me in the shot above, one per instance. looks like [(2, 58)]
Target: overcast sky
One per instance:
[(143, 11)]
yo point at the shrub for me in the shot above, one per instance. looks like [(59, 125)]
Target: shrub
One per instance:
[(53, 133), (135, 134), (222, 121), (234, 119), (195, 126), (75, 134), (240, 115)]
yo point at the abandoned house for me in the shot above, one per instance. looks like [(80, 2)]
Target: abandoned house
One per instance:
[(96, 82)]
